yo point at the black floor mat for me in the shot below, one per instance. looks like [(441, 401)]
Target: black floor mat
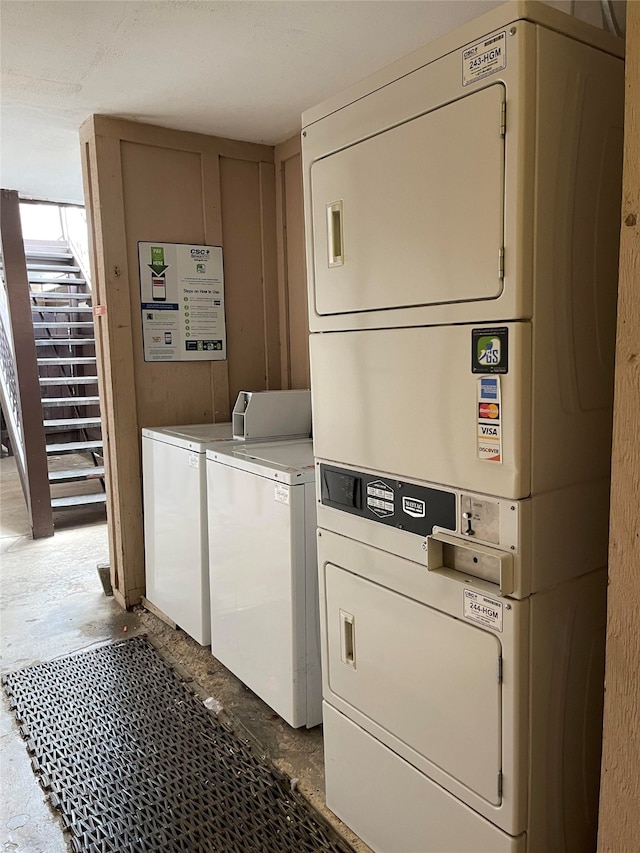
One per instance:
[(135, 762)]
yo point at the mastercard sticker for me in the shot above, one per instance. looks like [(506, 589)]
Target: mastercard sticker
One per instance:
[(489, 426), (488, 411)]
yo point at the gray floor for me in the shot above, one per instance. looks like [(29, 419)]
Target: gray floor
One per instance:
[(52, 603)]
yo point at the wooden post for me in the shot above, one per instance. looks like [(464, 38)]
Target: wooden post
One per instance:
[(36, 476), (270, 275), (292, 273), (619, 828)]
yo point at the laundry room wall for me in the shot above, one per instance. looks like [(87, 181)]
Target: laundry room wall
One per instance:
[(292, 270), (154, 184), (619, 828)]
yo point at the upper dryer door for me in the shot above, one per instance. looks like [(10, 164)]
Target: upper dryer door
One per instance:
[(414, 215)]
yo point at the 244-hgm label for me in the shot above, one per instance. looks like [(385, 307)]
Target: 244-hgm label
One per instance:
[(483, 610)]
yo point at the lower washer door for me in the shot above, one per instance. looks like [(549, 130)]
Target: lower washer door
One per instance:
[(429, 679)]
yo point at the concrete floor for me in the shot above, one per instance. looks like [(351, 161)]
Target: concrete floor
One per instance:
[(52, 603)]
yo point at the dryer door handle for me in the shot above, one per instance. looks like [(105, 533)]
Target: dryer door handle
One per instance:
[(335, 234), (348, 638)]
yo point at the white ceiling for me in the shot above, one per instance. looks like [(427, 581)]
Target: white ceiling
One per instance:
[(236, 68)]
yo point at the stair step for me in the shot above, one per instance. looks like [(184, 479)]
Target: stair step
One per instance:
[(70, 423), (68, 380), (43, 278), (71, 401), (85, 359), (63, 324), (71, 501), (64, 309), (64, 268), (39, 257), (93, 472), (73, 447), (64, 342), (55, 294)]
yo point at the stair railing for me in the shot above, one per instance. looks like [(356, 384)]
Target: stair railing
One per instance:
[(19, 380)]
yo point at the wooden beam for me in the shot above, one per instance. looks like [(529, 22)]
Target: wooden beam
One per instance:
[(115, 366), (619, 827), (292, 272), (270, 275), (105, 390), (212, 218), (36, 478), (283, 151), (180, 140)]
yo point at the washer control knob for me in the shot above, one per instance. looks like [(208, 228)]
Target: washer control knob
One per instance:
[(467, 517)]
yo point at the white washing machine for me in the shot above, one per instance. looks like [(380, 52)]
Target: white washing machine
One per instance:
[(175, 499), (263, 574), (175, 522)]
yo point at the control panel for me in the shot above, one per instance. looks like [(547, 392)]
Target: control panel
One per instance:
[(395, 503)]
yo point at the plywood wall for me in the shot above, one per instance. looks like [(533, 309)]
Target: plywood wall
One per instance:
[(150, 183), (292, 275), (619, 829)]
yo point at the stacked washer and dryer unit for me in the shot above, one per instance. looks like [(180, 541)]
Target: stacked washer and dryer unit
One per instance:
[(462, 213)]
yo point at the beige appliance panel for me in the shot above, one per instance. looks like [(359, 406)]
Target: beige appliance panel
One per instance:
[(552, 646), (388, 212), (427, 661), (562, 155), (397, 805), (405, 402), (441, 595)]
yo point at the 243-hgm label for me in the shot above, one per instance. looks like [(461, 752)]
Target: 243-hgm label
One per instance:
[(484, 58)]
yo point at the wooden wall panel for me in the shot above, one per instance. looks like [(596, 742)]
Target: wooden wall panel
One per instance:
[(150, 183), (241, 228), (296, 274), (270, 276), (292, 272), (619, 829), (165, 209)]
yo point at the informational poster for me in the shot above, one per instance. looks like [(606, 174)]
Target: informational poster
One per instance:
[(182, 302)]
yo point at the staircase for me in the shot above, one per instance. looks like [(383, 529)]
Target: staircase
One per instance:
[(65, 346)]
